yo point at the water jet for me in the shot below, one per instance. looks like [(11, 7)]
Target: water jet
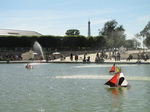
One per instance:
[(38, 49)]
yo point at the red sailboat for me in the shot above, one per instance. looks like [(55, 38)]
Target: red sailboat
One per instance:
[(118, 80), (112, 68)]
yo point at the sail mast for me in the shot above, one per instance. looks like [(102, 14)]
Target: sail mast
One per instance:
[(117, 79)]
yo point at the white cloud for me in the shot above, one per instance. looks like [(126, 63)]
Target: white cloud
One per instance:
[(144, 18), (56, 23), (48, 22)]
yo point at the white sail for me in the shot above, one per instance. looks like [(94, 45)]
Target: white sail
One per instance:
[(124, 81)]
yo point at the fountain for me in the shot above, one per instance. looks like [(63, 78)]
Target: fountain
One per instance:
[(38, 49)]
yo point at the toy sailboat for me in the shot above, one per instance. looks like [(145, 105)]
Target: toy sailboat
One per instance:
[(118, 80), (114, 69)]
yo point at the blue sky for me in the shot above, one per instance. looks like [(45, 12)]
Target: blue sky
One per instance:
[(55, 17)]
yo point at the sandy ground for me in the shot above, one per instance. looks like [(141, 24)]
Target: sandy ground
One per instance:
[(92, 59), (93, 56)]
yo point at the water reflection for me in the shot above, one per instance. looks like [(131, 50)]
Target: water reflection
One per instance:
[(118, 97)]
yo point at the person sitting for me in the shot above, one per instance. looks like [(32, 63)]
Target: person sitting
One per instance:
[(84, 59), (88, 59), (129, 58)]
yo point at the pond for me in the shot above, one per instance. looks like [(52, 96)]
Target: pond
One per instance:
[(72, 88)]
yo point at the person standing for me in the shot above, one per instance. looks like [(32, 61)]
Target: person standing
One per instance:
[(76, 57), (71, 57), (118, 56), (84, 58)]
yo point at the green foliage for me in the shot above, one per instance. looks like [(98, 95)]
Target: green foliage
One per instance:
[(113, 34), (144, 33), (146, 30), (73, 41), (100, 41), (17, 41), (70, 42), (91, 42), (72, 32), (147, 41), (129, 43), (108, 28)]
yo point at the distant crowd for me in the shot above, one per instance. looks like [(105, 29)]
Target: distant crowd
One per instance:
[(11, 57), (100, 57), (116, 55), (143, 56)]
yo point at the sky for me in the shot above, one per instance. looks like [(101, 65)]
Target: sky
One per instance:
[(55, 17)]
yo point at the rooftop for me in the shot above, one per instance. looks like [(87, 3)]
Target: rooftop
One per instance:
[(7, 32)]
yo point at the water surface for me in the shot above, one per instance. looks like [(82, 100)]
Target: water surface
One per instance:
[(72, 88)]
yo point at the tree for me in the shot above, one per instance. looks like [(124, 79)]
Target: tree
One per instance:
[(129, 43), (100, 41), (72, 32), (70, 42), (82, 41), (119, 36), (114, 34), (147, 41), (91, 42), (136, 43), (108, 28), (146, 31)]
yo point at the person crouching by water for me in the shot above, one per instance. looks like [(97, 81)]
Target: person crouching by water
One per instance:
[(29, 66)]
